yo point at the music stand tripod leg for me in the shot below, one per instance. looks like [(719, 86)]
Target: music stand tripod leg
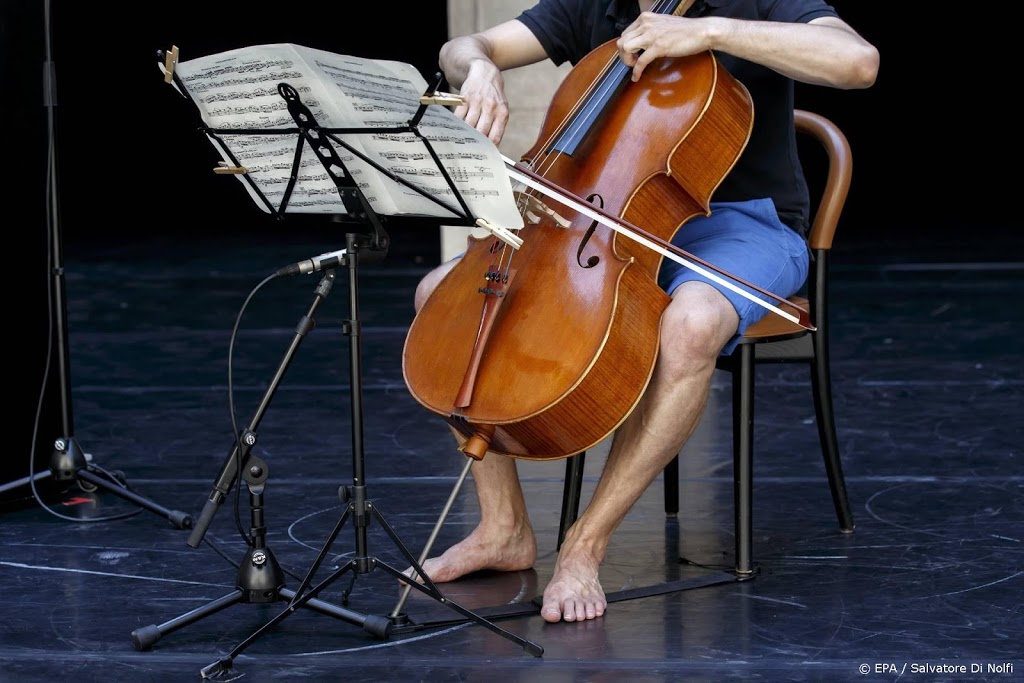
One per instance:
[(377, 625)]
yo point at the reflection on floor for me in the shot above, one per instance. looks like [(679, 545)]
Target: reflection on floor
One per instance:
[(928, 383)]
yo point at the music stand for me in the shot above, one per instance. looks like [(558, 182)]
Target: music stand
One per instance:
[(260, 578)]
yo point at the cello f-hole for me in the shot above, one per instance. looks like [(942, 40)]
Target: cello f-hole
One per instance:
[(593, 260)]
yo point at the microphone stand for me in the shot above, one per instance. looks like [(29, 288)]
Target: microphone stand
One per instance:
[(260, 578), (68, 461)]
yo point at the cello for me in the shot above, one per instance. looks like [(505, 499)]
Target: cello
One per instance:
[(540, 352)]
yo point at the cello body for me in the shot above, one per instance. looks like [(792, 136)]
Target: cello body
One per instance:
[(553, 362)]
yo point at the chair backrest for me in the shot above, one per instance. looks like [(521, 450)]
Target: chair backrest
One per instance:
[(837, 182)]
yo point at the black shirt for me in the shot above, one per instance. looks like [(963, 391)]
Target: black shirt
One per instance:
[(769, 165)]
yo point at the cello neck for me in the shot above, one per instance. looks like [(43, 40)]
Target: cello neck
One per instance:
[(605, 90), (676, 7)]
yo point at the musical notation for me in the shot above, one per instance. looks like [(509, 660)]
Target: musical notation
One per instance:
[(238, 90), (465, 173), (481, 194), (415, 171), (236, 95), (265, 153), (210, 80)]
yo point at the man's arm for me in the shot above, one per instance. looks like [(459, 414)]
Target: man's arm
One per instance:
[(825, 51), (473, 64)]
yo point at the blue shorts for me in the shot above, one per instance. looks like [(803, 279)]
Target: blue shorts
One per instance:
[(748, 240)]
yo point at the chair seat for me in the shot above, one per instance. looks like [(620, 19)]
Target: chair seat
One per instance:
[(774, 327)]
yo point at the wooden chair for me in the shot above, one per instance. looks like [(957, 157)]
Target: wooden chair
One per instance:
[(773, 340)]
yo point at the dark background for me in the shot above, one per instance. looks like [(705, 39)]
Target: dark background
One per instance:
[(934, 141), (935, 144), (131, 164)]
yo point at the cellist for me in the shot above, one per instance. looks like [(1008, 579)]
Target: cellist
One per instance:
[(756, 230)]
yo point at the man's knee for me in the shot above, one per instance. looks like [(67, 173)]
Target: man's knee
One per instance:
[(424, 289), (429, 283), (697, 324)]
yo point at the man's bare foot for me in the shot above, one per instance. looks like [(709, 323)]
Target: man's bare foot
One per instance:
[(483, 549), (574, 593)]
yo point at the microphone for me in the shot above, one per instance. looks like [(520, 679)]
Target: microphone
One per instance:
[(315, 264)]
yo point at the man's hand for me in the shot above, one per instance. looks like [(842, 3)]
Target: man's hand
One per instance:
[(659, 35), (484, 106)]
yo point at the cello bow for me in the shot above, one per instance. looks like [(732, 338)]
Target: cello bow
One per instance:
[(663, 247)]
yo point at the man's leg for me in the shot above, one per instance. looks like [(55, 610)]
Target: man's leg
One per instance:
[(503, 539), (697, 324), (701, 322)]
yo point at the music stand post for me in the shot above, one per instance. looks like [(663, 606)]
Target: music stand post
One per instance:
[(360, 246)]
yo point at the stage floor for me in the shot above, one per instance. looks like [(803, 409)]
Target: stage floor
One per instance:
[(928, 384)]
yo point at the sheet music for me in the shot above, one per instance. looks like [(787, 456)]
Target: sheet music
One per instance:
[(238, 89)]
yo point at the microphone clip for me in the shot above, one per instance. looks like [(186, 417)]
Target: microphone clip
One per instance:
[(315, 264)]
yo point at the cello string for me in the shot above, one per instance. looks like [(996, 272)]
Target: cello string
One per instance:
[(606, 80), (573, 121), (578, 116), (602, 83)]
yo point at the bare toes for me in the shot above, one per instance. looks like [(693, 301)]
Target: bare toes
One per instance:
[(551, 614)]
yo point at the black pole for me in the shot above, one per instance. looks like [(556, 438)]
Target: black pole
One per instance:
[(68, 461), (58, 295)]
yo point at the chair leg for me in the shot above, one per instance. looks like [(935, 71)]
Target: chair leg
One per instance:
[(671, 476), (571, 493), (743, 441), (821, 384)]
